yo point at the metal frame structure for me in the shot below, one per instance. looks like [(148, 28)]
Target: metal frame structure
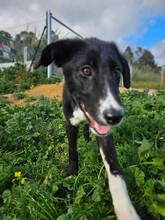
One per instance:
[(49, 18), (48, 28), (49, 37)]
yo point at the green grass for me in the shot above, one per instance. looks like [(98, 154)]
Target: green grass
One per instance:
[(17, 79), (145, 77), (34, 159)]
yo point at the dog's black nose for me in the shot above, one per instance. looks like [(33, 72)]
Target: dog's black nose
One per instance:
[(113, 118)]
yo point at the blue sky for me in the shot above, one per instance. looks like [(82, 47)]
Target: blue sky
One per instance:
[(153, 32)]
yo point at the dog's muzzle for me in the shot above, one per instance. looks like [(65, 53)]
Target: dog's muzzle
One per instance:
[(113, 117)]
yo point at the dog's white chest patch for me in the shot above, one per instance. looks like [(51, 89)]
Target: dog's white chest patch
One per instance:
[(78, 116)]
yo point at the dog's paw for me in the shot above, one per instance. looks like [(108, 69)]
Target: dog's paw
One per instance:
[(68, 177), (70, 174), (72, 170)]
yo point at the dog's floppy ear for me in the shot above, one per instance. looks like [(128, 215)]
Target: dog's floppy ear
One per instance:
[(126, 73), (125, 67), (59, 52)]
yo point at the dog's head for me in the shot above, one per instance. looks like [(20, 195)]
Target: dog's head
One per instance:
[(92, 70)]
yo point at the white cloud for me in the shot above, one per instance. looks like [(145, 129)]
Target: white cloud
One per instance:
[(155, 5), (158, 51), (34, 7), (106, 19), (109, 20)]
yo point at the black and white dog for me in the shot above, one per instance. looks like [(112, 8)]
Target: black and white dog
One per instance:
[(92, 70)]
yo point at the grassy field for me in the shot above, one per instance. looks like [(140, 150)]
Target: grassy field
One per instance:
[(17, 79), (146, 78), (34, 159)]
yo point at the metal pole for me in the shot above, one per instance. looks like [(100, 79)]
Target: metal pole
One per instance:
[(25, 55), (49, 37), (162, 76)]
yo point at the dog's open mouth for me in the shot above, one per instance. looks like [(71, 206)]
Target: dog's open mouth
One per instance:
[(98, 128)]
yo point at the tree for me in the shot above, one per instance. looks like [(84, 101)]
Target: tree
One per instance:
[(5, 34), (129, 54), (26, 38), (137, 54), (6, 38), (147, 59)]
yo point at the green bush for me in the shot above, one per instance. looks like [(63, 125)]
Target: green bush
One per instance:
[(7, 86), (4, 101), (25, 84), (34, 159), (11, 73), (17, 78), (9, 78), (19, 95), (54, 79)]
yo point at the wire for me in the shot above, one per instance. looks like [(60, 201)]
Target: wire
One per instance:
[(67, 27)]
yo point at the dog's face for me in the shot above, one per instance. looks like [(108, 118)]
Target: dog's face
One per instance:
[(92, 70)]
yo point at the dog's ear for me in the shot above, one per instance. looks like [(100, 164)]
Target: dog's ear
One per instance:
[(59, 52), (125, 67), (126, 73)]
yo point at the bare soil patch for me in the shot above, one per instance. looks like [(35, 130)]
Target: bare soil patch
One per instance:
[(52, 91)]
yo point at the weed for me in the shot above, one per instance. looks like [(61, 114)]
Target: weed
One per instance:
[(17, 79), (19, 95), (34, 159)]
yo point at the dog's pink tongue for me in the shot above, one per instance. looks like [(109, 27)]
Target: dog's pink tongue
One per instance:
[(101, 129)]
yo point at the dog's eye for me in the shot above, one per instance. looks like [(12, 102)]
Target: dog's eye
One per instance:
[(87, 71)]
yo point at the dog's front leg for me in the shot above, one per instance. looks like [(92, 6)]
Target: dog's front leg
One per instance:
[(86, 132), (121, 201), (72, 132)]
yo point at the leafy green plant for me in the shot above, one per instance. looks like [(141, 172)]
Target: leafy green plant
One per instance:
[(17, 78), (7, 86), (19, 95), (55, 79), (4, 101), (34, 158)]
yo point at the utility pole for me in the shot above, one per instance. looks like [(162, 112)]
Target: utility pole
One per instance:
[(162, 76), (162, 71), (25, 55), (49, 18), (49, 37)]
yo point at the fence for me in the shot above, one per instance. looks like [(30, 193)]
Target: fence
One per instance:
[(13, 50), (48, 27)]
